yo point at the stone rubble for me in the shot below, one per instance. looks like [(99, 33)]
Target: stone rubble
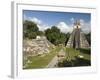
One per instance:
[(37, 46)]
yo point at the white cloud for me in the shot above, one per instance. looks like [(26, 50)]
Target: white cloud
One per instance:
[(82, 21), (36, 20), (33, 19), (72, 20), (39, 22), (85, 26), (42, 27), (64, 27), (25, 17)]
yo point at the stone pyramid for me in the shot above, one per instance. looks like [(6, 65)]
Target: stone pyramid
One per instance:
[(77, 38)]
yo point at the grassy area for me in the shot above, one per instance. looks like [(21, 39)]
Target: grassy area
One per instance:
[(72, 58), (41, 62), (86, 53), (72, 53)]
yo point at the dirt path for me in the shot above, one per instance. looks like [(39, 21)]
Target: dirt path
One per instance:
[(54, 61)]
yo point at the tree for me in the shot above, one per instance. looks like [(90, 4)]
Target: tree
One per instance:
[(40, 33), (67, 38), (55, 29), (30, 29), (88, 37), (62, 38), (55, 36)]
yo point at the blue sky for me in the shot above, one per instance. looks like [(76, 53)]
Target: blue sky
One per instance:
[(48, 18)]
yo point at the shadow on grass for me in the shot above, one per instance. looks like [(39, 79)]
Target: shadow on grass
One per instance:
[(74, 63), (85, 51)]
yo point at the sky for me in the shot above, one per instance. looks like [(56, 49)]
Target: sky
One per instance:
[(63, 20)]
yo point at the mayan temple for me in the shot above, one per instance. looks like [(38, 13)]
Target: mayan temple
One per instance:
[(77, 38)]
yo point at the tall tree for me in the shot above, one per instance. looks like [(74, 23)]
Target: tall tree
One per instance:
[(55, 36), (30, 29)]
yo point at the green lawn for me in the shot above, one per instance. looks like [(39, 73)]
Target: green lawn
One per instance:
[(73, 59), (72, 53), (41, 62)]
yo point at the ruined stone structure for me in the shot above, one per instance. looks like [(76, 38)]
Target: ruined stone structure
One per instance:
[(77, 38), (37, 46)]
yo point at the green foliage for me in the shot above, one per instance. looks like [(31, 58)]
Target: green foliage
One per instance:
[(55, 36), (31, 30), (42, 62), (67, 38), (32, 35), (74, 63), (52, 34), (55, 29), (40, 33), (73, 59), (88, 37), (31, 26)]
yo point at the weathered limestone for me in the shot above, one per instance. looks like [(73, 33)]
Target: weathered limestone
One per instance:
[(77, 38), (37, 46)]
